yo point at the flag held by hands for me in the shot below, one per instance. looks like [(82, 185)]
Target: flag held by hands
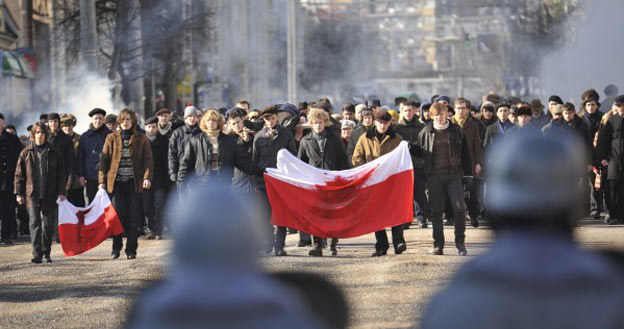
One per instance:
[(82, 229), (342, 204)]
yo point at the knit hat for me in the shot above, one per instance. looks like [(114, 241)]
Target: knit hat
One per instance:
[(487, 106), (190, 110), (556, 99), (347, 124), (359, 108)]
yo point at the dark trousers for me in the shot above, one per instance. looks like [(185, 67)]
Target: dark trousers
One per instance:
[(382, 238), (153, 204), (276, 238), (420, 196), (75, 196), (616, 199), (8, 224), (24, 219), (472, 199), (92, 188), (440, 186), (127, 203), (596, 197), (41, 228)]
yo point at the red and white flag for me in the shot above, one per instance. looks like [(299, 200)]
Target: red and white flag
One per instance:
[(342, 204), (81, 229)]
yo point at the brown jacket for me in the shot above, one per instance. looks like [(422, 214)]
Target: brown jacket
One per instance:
[(141, 155), (473, 137), (368, 147), (53, 178)]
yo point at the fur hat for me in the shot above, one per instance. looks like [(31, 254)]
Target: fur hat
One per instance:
[(269, 110), (68, 119), (347, 124)]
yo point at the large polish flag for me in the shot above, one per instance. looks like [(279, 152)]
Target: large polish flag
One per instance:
[(342, 204), (81, 229)]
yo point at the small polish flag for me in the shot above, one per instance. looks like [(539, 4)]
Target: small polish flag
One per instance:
[(81, 229), (342, 204)]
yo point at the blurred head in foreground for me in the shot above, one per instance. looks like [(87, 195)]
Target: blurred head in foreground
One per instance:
[(533, 276), (214, 279)]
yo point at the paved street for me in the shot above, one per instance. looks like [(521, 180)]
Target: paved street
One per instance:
[(91, 291)]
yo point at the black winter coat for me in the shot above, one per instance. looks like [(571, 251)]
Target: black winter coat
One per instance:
[(197, 159), (332, 157), (90, 147), (10, 148), (159, 147), (355, 136), (242, 180), (459, 152), (611, 146), (410, 131), (177, 144), (65, 145), (265, 149)]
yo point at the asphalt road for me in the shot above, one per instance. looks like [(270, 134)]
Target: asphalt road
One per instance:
[(92, 291)]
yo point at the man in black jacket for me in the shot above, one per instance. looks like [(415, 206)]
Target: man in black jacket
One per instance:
[(179, 138), (90, 146), (267, 143), (409, 127), (323, 149), (446, 159), (154, 197), (611, 155), (244, 138), (64, 144), (10, 148)]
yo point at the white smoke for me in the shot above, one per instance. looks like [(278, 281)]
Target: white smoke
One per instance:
[(594, 60)]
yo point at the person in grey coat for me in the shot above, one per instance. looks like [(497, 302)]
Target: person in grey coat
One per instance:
[(535, 275)]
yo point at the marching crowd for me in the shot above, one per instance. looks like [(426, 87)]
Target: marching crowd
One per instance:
[(140, 164)]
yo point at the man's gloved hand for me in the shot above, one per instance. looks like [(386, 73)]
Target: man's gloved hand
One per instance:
[(173, 178)]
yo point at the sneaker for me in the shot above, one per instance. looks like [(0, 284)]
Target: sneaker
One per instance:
[(462, 250), (437, 251)]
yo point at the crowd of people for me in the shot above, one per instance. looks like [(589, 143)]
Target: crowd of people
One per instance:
[(140, 163)]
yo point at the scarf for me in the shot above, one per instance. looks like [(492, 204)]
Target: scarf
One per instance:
[(213, 138), (126, 134), (164, 130), (504, 126), (42, 147), (461, 122), (437, 126), (151, 137)]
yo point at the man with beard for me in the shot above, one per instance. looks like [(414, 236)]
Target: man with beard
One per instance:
[(538, 117), (90, 147)]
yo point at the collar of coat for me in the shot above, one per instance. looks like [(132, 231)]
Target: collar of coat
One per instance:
[(31, 147), (370, 133), (329, 133)]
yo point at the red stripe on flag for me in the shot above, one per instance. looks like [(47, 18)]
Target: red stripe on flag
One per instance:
[(78, 238), (342, 213)]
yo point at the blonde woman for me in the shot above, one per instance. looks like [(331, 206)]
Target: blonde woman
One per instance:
[(212, 155)]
